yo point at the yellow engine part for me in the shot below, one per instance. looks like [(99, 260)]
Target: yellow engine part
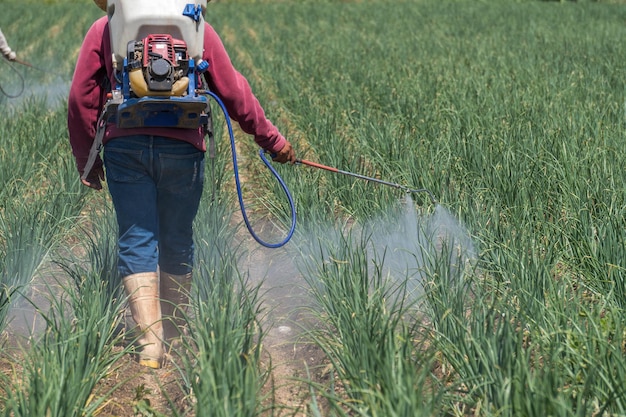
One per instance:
[(140, 87)]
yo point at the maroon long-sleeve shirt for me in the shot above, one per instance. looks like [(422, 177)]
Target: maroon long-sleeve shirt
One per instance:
[(88, 95)]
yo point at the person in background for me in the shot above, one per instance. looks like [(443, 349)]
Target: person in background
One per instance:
[(6, 49), (155, 179)]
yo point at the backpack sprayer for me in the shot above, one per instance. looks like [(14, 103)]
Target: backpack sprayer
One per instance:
[(157, 57)]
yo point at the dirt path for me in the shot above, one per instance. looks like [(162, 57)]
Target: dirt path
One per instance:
[(286, 297), (136, 390)]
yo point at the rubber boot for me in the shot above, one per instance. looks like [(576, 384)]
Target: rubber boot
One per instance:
[(175, 291), (143, 299)]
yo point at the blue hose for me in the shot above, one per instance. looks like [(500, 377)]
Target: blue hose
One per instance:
[(238, 184)]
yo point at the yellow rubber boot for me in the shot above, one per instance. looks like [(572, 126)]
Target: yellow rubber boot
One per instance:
[(175, 291), (145, 307)]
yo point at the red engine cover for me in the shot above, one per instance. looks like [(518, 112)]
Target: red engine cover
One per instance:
[(164, 45)]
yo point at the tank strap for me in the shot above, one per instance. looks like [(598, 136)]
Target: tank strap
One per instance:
[(96, 146)]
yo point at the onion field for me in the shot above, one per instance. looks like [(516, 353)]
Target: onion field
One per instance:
[(504, 297)]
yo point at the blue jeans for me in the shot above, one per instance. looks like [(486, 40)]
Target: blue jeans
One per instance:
[(156, 185)]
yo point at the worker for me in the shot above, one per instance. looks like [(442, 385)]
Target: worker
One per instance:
[(155, 179), (6, 49)]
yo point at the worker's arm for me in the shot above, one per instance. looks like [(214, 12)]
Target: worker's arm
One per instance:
[(6, 49), (242, 105), (86, 96)]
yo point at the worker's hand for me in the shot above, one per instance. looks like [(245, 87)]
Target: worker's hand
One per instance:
[(286, 154), (11, 56), (95, 178)]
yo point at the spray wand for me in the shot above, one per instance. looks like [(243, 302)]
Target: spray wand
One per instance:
[(22, 82), (371, 179), (26, 64)]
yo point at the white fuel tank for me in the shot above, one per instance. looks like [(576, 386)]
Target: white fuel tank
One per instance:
[(133, 20)]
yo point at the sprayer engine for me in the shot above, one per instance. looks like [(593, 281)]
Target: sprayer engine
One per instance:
[(158, 86), (163, 62)]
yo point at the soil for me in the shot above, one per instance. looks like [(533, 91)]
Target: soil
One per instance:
[(140, 391)]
